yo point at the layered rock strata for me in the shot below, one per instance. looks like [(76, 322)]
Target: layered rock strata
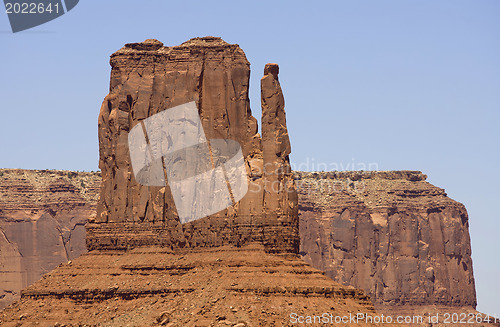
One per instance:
[(224, 286), (238, 267), (27, 195), (148, 78), (391, 233)]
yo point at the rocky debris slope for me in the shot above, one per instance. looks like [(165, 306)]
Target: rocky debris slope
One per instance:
[(393, 234), (148, 78), (224, 286), (42, 219)]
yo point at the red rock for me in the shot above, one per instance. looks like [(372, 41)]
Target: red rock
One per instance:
[(42, 218), (220, 286), (218, 270), (393, 234), (147, 78), (317, 206)]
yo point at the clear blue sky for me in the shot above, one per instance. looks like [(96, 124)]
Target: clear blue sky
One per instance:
[(403, 84)]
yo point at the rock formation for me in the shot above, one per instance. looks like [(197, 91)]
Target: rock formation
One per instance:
[(280, 198), (42, 219), (390, 233), (148, 78), (322, 196), (238, 267), (393, 234)]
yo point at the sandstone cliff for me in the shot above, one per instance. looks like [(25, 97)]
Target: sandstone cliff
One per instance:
[(337, 182), (393, 234), (323, 198), (42, 219)]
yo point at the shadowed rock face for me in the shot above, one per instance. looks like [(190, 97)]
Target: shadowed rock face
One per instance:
[(393, 234), (148, 78)]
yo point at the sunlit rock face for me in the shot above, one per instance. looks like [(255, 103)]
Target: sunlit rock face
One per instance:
[(393, 234), (148, 79)]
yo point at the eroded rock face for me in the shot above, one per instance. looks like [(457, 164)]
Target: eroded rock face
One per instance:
[(393, 234), (148, 78), (42, 219)]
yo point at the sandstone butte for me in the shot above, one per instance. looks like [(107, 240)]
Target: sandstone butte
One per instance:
[(392, 234)]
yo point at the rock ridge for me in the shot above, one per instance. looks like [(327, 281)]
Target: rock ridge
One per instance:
[(393, 234), (410, 175)]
